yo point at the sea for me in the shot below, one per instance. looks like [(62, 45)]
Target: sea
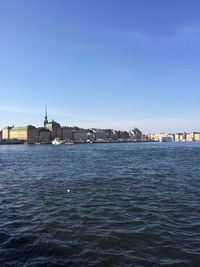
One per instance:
[(126, 204)]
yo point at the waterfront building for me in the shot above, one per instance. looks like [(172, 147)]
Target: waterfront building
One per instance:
[(0, 136), (115, 134), (184, 136), (136, 134), (190, 137), (54, 128), (178, 136), (110, 134), (91, 135), (196, 136), (156, 137), (172, 136), (80, 135), (27, 133), (99, 134), (160, 137), (152, 136), (68, 133), (44, 135), (122, 135), (6, 133)]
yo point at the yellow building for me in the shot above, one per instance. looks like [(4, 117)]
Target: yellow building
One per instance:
[(6, 133), (190, 137), (180, 136), (27, 133), (196, 136)]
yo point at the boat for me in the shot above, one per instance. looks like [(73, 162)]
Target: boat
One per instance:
[(57, 141), (165, 139), (68, 143)]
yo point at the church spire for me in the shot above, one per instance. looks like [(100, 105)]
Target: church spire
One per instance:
[(45, 118)]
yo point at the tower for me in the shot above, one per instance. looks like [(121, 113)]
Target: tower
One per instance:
[(45, 118)]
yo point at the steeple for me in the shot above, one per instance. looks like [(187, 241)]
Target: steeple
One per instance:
[(45, 118)]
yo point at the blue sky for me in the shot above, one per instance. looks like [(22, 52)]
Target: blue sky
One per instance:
[(101, 63)]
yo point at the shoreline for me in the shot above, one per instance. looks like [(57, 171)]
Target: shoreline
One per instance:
[(95, 142), (78, 143)]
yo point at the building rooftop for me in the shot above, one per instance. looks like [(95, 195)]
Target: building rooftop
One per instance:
[(43, 129), (23, 128), (54, 123)]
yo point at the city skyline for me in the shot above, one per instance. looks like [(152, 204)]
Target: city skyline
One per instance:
[(47, 118), (103, 64)]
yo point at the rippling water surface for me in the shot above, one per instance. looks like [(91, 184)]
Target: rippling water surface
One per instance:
[(100, 205)]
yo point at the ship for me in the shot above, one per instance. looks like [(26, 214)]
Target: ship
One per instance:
[(165, 139)]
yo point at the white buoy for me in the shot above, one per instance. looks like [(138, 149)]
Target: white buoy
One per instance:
[(68, 190)]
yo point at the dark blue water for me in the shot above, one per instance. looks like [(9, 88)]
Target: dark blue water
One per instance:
[(100, 205)]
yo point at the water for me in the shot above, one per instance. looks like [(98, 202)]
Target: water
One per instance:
[(100, 205)]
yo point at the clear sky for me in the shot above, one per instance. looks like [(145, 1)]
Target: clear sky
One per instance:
[(101, 63)]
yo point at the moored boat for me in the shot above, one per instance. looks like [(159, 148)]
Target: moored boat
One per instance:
[(57, 141), (165, 139)]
